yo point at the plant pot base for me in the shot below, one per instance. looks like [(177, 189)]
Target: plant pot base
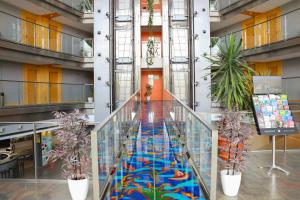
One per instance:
[(78, 188), (230, 183)]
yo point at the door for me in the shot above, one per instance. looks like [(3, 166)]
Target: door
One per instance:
[(30, 86), (153, 78), (54, 87)]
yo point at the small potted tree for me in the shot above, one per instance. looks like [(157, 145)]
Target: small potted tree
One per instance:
[(73, 150), (236, 134), (148, 92), (231, 88)]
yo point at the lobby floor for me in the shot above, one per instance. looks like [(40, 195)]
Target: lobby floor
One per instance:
[(256, 185)]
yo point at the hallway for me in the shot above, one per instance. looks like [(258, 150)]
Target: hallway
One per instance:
[(153, 167)]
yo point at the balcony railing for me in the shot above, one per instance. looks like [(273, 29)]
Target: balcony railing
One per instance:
[(271, 31), (84, 6), (25, 93), (25, 32), (216, 5)]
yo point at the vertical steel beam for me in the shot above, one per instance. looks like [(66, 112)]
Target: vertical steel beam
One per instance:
[(201, 36), (102, 59), (166, 45), (137, 44)]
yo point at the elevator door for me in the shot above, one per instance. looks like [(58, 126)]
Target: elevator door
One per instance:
[(155, 79)]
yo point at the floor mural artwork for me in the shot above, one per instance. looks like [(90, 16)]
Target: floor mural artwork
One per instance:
[(153, 168)]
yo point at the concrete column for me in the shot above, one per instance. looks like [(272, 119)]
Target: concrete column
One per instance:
[(166, 43), (102, 59), (201, 36), (137, 44)]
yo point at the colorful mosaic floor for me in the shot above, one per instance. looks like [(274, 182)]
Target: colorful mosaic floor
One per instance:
[(153, 167)]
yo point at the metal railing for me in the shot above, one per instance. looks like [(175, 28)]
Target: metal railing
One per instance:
[(200, 140), (30, 33), (108, 140), (216, 5), (24, 93), (271, 31), (84, 6)]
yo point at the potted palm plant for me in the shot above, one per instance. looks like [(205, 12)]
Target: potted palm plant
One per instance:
[(148, 92), (231, 88), (73, 147)]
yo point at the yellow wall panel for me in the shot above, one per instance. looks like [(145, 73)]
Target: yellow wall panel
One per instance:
[(37, 86), (260, 30), (36, 31), (275, 32), (268, 68), (248, 34)]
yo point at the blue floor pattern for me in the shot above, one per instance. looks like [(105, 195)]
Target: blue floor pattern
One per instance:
[(153, 170)]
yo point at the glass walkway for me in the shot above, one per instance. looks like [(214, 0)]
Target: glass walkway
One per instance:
[(142, 153)]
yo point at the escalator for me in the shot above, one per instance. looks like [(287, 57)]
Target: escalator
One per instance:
[(154, 158)]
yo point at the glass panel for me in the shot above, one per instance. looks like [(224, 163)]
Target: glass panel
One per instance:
[(111, 137), (123, 8), (200, 139), (124, 43), (123, 77)]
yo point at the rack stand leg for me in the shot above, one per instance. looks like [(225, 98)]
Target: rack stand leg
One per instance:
[(274, 166)]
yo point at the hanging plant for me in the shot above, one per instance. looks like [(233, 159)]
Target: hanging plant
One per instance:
[(151, 42)]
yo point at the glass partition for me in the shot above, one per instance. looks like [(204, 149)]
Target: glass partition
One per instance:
[(24, 148), (33, 34), (108, 141), (21, 93), (200, 140)]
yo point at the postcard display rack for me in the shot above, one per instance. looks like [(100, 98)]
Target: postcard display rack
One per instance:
[(273, 117)]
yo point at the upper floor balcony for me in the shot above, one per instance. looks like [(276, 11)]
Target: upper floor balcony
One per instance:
[(21, 97), (83, 6), (277, 38), (50, 38), (217, 5)]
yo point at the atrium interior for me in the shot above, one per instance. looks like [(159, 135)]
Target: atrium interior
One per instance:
[(149, 99)]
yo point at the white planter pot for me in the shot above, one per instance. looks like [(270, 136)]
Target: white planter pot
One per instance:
[(230, 183), (148, 98), (78, 188), (90, 99)]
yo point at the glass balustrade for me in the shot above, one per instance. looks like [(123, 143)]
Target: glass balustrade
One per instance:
[(21, 93), (84, 6), (108, 140), (268, 32), (32, 34), (216, 5), (198, 137)]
